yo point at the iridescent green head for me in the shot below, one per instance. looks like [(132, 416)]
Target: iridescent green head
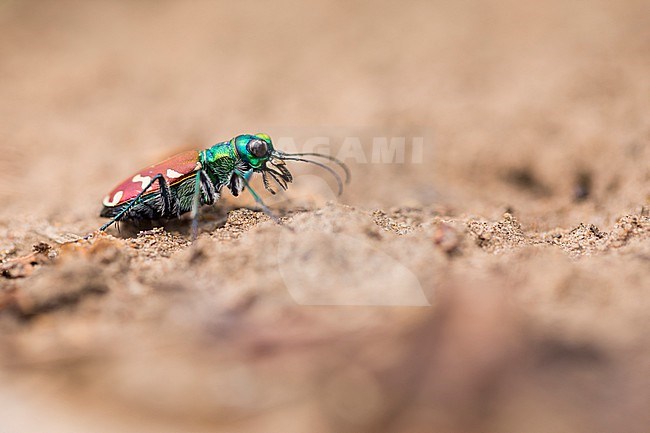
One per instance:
[(253, 149), (257, 152)]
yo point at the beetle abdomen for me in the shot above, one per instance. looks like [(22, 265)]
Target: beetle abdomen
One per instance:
[(174, 170), (151, 206)]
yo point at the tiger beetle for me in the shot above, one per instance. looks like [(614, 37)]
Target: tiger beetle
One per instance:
[(185, 181)]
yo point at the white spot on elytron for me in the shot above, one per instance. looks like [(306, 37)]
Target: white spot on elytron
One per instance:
[(116, 199), (142, 179), (173, 174)]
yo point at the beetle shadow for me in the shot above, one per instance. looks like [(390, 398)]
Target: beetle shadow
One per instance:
[(210, 219)]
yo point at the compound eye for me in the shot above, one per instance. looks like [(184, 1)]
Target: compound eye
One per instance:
[(258, 148)]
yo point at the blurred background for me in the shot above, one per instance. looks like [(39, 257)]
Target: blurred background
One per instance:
[(538, 109), (524, 99)]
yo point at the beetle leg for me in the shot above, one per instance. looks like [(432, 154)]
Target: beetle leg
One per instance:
[(196, 201), (258, 199), (208, 189), (171, 205), (203, 186)]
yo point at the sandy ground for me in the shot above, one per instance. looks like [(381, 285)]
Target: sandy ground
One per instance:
[(499, 284)]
